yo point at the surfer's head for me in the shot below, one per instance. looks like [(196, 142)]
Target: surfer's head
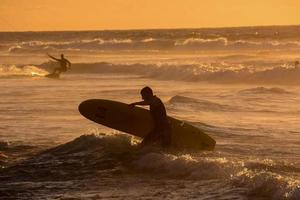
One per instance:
[(146, 93), (62, 55)]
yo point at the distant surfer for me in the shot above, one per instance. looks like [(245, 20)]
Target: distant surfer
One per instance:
[(296, 63), (162, 130), (64, 64)]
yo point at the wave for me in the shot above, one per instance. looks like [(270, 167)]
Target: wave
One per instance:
[(150, 43), (222, 43), (91, 45), (241, 44), (3, 158), (104, 155), (267, 184), (201, 43), (195, 104), (263, 90), (212, 73), (15, 71), (4, 145), (112, 152)]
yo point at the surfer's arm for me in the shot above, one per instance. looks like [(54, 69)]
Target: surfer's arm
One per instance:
[(140, 103), (53, 57)]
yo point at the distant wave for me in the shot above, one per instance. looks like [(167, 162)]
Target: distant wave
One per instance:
[(202, 43), (197, 104), (91, 45), (211, 73), (217, 73), (150, 43), (271, 38), (263, 90)]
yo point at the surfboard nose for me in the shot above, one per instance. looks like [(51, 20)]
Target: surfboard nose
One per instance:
[(82, 106), (86, 106), (93, 110)]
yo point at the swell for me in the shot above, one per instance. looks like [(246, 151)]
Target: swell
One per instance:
[(264, 90), (187, 102)]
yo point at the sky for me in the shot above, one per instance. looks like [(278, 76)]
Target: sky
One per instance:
[(54, 15)]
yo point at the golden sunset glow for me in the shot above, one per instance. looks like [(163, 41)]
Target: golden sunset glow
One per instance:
[(24, 15)]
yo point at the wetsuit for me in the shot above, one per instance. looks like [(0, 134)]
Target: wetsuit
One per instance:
[(162, 130)]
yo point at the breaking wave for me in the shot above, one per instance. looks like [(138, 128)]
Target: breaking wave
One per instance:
[(206, 72), (268, 185), (110, 154), (15, 71)]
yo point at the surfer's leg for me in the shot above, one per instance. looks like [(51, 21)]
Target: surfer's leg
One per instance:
[(166, 138), (150, 138), (56, 69), (61, 69)]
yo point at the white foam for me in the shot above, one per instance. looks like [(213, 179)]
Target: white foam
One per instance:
[(154, 43), (268, 184), (221, 72), (28, 70)]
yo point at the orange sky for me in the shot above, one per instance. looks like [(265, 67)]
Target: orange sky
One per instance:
[(33, 15)]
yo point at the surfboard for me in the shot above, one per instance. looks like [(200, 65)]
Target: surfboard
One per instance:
[(52, 75), (138, 121), (35, 74)]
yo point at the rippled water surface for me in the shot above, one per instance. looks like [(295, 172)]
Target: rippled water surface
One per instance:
[(247, 99)]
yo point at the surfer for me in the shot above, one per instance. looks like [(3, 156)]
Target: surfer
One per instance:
[(64, 64), (162, 130), (296, 63)]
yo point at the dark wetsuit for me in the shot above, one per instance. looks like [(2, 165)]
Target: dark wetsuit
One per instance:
[(162, 130)]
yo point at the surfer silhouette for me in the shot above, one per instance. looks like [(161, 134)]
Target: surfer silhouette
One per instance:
[(162, 130), (64, 64), (296, 63)]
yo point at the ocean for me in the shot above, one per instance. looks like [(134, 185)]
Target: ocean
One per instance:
[(239, 85)]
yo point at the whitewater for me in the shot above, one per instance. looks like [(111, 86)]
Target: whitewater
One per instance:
[(240, 85)]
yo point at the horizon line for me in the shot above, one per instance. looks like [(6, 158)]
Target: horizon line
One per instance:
[(140, 29)]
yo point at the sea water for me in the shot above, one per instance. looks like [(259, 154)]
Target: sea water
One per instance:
[(240, 85)]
